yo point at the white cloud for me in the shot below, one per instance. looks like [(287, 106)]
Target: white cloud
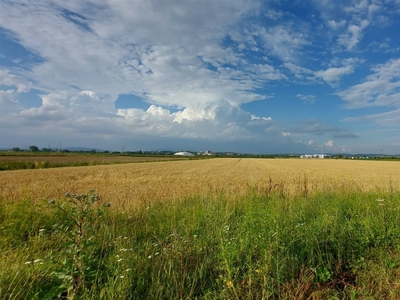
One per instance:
[(307, 98), (8, 79), (194, 65), (329, 144), (283, 41), (9, 103), (378, 89), (390, 118), (354, 35), (304, 75), (334, 74), (336, 25)]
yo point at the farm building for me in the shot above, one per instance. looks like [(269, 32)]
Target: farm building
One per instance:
[(184, 153), (314, 156), (306, 156)]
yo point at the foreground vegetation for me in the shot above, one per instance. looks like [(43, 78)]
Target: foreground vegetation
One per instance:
[(328, 246), (211, 229)]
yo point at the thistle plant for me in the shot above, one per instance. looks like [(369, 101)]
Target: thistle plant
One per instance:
[(80, 219)]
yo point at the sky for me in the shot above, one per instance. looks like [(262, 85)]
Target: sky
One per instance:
[(245, 76)]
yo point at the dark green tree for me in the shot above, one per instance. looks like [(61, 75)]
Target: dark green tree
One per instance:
[(33, 148)]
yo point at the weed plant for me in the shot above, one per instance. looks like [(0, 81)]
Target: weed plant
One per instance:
[(331, 245)]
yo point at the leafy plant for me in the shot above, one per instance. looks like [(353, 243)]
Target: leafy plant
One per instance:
[(81, 217)]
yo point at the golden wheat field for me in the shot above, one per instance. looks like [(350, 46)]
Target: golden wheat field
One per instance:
[(129, 185)]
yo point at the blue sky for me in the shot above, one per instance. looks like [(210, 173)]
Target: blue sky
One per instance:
[(225, 75)]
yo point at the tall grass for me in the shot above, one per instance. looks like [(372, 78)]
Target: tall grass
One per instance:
[(330, 245)]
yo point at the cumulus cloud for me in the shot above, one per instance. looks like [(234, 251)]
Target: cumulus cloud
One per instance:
[(334, 74), (193, 65), (329, 144), (158, 50)]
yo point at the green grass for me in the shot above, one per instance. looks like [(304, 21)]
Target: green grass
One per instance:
[(342, 245)]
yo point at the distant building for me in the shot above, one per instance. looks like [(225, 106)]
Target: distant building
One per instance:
[(208, 152), (184, 153), (314, 156)]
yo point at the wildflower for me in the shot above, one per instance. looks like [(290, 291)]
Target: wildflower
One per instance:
[(127, 270), (120, 259), (149, 256), (157, 253), (121, 276)]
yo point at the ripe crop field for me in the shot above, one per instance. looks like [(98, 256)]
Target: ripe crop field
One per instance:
[(17, 161), (223, 228), (130, 184)]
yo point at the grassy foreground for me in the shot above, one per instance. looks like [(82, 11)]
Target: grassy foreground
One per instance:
[(331, 245)]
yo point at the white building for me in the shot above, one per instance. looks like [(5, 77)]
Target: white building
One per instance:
[(184, 153), (314, 156)]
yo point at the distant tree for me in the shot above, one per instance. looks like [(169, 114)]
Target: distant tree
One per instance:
[(339, 156), (46, 150), (16, 149), (33, 148)]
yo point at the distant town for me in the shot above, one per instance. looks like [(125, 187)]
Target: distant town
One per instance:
[(205, 153)]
